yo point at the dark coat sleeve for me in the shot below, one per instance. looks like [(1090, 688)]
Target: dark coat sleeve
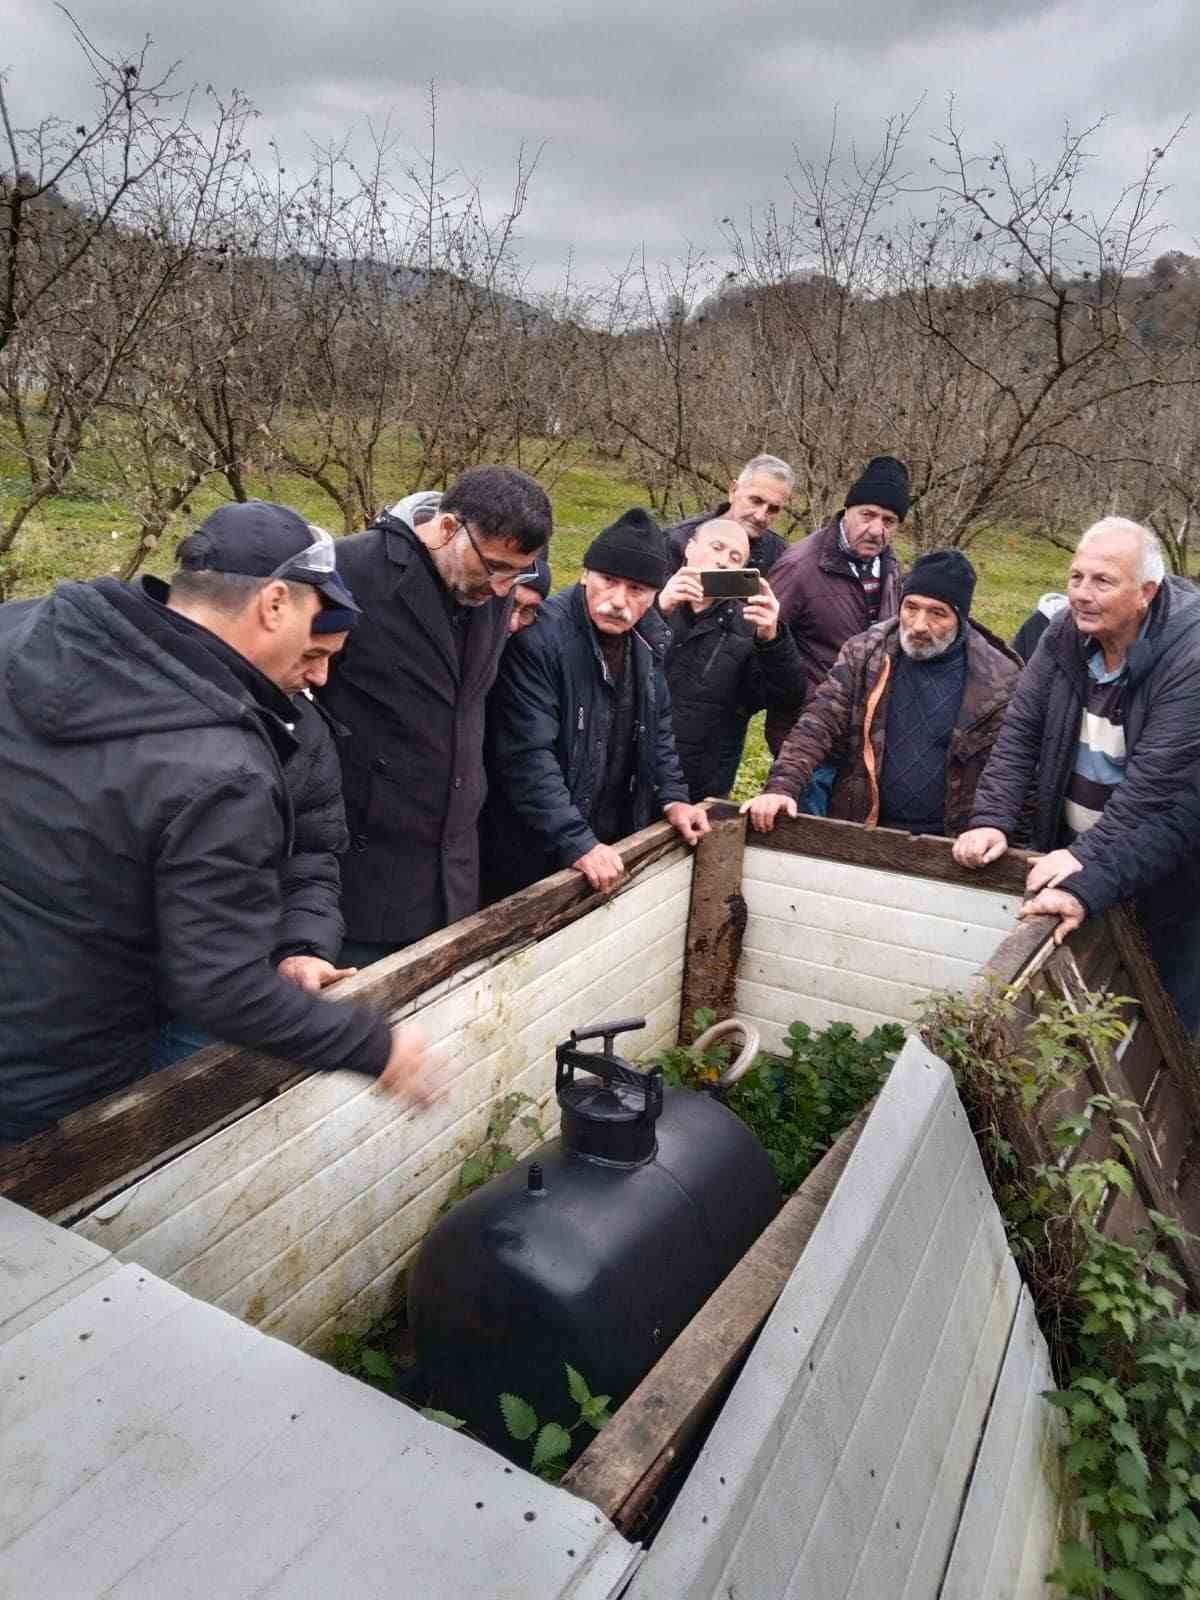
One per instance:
[(525, 709), (218, 906), (311, 879), (774, 675), (819, 736), (1149, 823), (1000, 799), (669, 783)]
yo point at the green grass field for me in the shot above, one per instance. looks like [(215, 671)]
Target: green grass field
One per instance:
[(85, 534)]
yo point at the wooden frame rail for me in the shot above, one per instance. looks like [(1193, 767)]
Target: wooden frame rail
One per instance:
[(96, 1150), (1156, 1071)]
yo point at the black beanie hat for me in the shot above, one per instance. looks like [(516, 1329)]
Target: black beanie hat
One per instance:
[(944, 575), (538, 576), (632, 547), (884, 482)]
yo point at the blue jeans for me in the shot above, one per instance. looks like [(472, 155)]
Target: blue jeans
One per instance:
[(176, 1041), (814, 802)]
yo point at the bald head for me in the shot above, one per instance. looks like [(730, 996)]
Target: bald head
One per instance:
[(720, 544)]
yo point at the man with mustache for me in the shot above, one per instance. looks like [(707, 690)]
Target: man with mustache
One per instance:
[(580, 748), (909, 713), (1103, 735)]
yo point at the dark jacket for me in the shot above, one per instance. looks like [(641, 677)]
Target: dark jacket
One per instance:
[(719, 674), (822, 602), (145, 823), (548, 730), (1146, 841), (412, 765), (765, 548), (311, 879), (845, 722), (1025, 640)]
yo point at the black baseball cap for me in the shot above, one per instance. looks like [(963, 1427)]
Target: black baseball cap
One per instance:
[(259, 539)]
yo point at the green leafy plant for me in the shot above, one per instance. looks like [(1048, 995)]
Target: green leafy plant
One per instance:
[(796, 1104), (688, 1068), (494, 1153), (552, 1441), (1130, 1361)]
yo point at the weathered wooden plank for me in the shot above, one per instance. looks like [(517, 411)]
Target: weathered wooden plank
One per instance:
[(917, 930), (882, 892), (766, 938), (1141, 1061), (623, 1464), (93, 1150), (1179, 1054), (1008, 1535), (890, 851), (1152, 1184), (716, 923), (1169, 1124)]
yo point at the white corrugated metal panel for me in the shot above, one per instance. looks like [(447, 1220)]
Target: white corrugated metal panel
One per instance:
[(829, 942), (302, 1214), (41, 1265), (838, 1465), (1008, 1537), (156, 1447)]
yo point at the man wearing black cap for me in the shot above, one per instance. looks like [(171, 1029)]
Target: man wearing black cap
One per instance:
[(839, 581), (143, 737), (908, 714), (579, 738)]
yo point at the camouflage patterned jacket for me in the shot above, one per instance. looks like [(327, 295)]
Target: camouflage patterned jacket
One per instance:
[(845, 723)]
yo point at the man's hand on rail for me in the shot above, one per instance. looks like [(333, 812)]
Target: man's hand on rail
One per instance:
[(1056, 903), (764, 808), (977, 846)]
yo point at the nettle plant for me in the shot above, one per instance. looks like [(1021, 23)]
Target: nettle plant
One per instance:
[(1128, 1357), (553, 1442)]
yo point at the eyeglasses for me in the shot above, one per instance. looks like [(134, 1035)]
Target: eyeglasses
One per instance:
[(319, 558), (503, 571), (526, 615)]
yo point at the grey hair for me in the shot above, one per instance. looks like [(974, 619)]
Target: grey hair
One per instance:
[(1151, 568), (770, 467)]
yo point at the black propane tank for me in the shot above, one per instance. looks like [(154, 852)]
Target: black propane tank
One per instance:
[(597, 1250)]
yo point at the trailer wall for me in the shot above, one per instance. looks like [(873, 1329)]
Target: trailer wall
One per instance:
[(300, 1216), (827, 941)]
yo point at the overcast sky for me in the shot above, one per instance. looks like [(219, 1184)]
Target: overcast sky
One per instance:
[(660, 118)]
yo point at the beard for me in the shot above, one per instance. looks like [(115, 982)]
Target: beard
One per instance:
[(927, 649)]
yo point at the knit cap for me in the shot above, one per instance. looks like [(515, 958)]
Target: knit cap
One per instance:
[(944, 575), (884, 482), (632, 547)]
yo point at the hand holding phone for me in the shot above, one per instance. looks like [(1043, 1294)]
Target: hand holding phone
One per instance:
[(742, 583)]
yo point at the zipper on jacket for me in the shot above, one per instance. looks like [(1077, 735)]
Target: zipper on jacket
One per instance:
[(579, 724)]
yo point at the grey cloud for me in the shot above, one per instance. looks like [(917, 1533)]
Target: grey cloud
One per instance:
[(658, 120)]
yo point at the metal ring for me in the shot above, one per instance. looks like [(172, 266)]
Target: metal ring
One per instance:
[(744, 1060)]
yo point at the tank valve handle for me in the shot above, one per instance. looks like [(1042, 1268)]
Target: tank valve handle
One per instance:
[(607, 1065)]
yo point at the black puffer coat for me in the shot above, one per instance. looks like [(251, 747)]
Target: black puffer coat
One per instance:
[(145, 823), (1147, 840), (548, 725), (719, 674), (311, 879)]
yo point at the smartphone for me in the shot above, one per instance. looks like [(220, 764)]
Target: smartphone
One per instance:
[(740, 584)]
